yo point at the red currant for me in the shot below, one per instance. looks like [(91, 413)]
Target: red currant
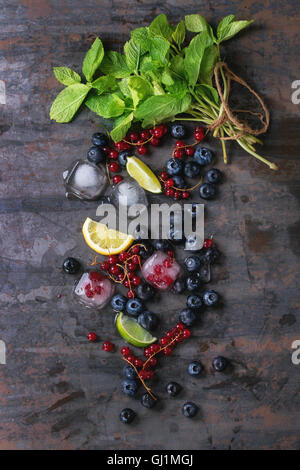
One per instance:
[(113, 154), (179, 143), (130, 294), (112, 259), (164, 341), (170, 253), (106, 150), (149, 375), (135, 259), (169, 192), (117, 179), (130, 358), (92, 336), (98, 290), (95, 276), (164, 176), (180, 326), (114, 167), (133, 136), (136, 280), (104, 266), (189, 151), (119, 145), (147, 352), (158, 132), (145, 134), (142, 150), (178, 153), (135, 250), (185, 194), (177, 195), (167, 263), (138, 362), (114, 269), (207, 243), (169, 183), (107, 346), (123, 256), (186, 333), (155, 348), (199, 134), (167, 351), (154, 141), (143, 374), (152, 361), (125, 351)]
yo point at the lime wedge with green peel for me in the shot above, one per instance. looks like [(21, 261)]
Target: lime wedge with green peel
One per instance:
[(132, 332), (139, 171)]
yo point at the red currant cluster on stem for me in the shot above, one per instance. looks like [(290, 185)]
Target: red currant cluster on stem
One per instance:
[(144, 369), (151, 136), (122, 268)]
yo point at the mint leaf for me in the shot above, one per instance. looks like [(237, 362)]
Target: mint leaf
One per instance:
[(68, 102), (107, 106), (178, 35), (193, 57), (93, 59), (140, 89), (159, 50), (141, 37), (132, 54), (167, 78), (159, 108), (104, 83), (115, 64), (179, 88), (177, 66), (121, 127), (224, 23), (160, 27), (66, 76), (227, 32), (208, 63), (196, 23)]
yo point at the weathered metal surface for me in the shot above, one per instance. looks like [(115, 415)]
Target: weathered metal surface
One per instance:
[(57, 390)]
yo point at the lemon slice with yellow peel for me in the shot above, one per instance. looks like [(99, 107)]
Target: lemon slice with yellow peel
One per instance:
[(143, 175), (104, 240), (132, 332)]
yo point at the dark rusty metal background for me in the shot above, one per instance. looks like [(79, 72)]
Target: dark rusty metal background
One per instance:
[(57, 391)]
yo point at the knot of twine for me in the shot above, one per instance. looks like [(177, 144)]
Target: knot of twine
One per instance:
[(227, 114)]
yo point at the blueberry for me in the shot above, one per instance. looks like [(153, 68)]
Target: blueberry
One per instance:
[(129, 387), (194, 301), (207, 191), (118, 302), (210, 298), (147, 401), (148, 320), (174, 167), (96, 155), (192, 263), (203, 156), (193, 282), (212, 255), (122, 157), (134, 306), (127, 415), (146, 250), (145, 291), (129, 372), (192, 169), (177, 236), (179, 286), (179, 182), (189, 409), (71, 265), (173, 388), (220, 363), (213, 175), (193, 243), (162, 245), (100, 140), (195, 368), (187, 317), (178, 131)]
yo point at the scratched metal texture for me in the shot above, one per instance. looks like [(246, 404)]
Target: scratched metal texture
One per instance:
[(58, 391)]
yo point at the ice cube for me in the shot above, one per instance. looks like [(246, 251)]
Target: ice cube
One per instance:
[(160, 270), (94, 290), (128, 193), (85, 180)]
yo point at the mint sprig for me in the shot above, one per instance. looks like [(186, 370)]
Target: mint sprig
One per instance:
[(159, 77)]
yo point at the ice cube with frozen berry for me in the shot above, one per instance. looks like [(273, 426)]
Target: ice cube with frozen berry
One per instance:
[(94, 289), (161, 270)]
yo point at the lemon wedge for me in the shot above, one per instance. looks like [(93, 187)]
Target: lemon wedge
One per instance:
[(104, 240)]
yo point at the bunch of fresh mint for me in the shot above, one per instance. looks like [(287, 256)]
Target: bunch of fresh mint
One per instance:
[(160, 77)]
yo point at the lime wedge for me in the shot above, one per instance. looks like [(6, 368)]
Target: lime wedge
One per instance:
[(139, 171), (132, 332)]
